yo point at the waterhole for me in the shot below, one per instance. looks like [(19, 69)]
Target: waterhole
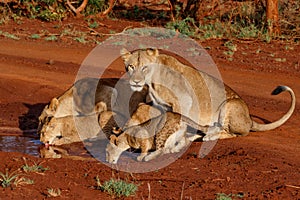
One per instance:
[(21, 144)]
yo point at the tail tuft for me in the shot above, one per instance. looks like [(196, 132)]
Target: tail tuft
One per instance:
[(279, 89)]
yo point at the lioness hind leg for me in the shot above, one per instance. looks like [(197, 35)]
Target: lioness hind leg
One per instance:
[(234, 119), (218, 135)]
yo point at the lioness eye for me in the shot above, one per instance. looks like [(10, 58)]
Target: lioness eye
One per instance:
[(145, 68), (130, 67)]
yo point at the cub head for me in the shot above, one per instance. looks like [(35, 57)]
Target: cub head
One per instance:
[(139, 66), (114, 149)]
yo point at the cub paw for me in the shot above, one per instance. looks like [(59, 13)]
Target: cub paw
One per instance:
[(140, 158), (149, 157)]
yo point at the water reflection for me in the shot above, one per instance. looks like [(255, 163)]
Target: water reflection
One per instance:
[(33, 146), (26, 145)]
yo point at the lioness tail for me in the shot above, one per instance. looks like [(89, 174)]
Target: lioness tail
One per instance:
[(265, 127)]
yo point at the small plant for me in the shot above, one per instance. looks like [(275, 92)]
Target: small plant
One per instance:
[(35, 36), (51, 38), (9, 35), (93, 24), (34, 168), (185, 26), (7, 179), (80, 39), (230, 45), (223, 196), (117, 188), (280, 59), (94, 7), (53, 192), (23, 180), (211, 31)]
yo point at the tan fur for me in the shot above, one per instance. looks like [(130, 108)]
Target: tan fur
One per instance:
[(81, 99), (59, 152), (143, 113), (165, 133), (108, 120), (199, 96), (59, 131)]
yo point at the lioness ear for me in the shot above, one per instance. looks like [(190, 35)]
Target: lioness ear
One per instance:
[(152, 52), (125, 54), (113, 139), (53, 104)]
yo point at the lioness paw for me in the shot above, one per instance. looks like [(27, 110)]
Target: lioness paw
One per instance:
[(211, 137)]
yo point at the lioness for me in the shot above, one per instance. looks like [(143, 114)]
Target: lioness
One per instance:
[(211, 100), (90, 95), (62, 130), (80, 99), (70, 129), (166, 133)]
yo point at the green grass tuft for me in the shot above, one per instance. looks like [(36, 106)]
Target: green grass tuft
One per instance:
[(7, 179), (34, 168), (117, 188)]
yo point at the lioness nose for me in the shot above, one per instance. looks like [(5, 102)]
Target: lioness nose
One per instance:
[(136, 81)]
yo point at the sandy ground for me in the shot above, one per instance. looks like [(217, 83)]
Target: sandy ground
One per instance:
[(262, 165)]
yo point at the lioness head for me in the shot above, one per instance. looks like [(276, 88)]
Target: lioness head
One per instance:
[(59, 131), (48, 112), (138, 65), (51, 131)]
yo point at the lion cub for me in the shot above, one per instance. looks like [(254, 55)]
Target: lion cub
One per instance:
[(166, 133)]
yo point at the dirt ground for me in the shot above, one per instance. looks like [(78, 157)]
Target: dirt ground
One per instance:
[(262, 165)]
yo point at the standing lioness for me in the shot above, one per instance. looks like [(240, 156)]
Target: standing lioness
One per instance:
[(211, 100)]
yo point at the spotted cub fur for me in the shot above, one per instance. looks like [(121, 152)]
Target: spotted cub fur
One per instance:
[(166, 133)]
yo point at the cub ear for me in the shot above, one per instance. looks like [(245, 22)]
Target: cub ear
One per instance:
[(125, 54), (100, 107), (152, 52), (117, 130), (113, 139), (53, 104)]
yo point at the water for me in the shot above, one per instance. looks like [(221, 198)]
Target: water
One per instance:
[(26, 145), (13, 139), (31, 145)]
